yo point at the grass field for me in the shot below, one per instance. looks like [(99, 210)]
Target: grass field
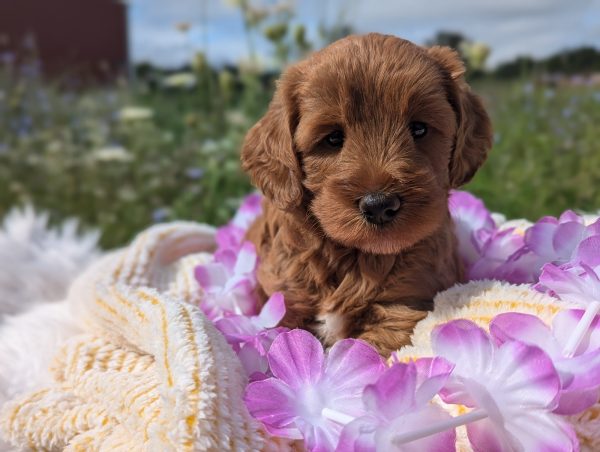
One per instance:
[(546, 156), (122, 158)]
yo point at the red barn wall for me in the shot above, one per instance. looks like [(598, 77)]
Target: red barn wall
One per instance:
[(70, 35)]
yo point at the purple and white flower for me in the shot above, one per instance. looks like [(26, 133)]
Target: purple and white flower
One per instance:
[(502, 258), (557, 240), (515, 384), (580, 374), (400, 402), (252, 336), (474, 224), (232, 235), (487, 251), (228, 283), (577, 281), (307, 384)]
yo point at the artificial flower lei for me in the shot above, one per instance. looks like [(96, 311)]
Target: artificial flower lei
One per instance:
[(513, 384)]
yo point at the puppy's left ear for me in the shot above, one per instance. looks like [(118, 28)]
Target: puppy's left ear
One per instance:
[(474, 134)]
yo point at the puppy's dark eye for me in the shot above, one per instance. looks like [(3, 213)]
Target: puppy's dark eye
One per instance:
[(335, 139), (418, 129)]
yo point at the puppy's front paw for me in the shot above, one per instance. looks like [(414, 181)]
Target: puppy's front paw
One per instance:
[(390, 327)]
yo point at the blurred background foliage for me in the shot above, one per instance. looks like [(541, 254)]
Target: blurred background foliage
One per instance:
[(162, 145)]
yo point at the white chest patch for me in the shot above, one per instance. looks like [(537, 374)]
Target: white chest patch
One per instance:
[(331, 327)]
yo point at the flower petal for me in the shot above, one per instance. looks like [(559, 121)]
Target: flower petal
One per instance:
[(594, 227), (540, 236), (503, 244), (470, 209), (229, 236), (525, 328), (565, 240), (505, 257), (320, 438), (252, 360), (358, 435), (227, 258), (568, 216), (573, 401), (273, 311), (584, 368), (526, 375), (246, 260), (238, 298), (351, 365), (485, 436), (588, 251), (236, 328), (564, 324), (296, 357), (393, 394), (465, 344), (525, 430), (265, 338), (538, 430), (522, 267), (211, 276), (444, 441), (249, 210), (432, 375), (473, 224), (568, 286), (273, 402)]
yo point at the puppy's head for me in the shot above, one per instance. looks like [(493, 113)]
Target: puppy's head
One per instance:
[(369, 135)]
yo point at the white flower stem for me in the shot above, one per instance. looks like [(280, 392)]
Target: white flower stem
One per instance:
[(407, 437), (438, 427), (581, 329), (337, 416)]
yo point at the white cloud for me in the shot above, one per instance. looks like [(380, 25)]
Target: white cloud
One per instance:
[(155, 37), (510, 27)]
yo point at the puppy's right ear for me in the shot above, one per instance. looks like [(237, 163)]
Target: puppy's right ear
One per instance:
[(268, 153)]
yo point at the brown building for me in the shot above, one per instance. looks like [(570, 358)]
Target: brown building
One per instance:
[(82, 36)]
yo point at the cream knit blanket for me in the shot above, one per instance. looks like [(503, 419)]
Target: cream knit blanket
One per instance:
[(152, 373)]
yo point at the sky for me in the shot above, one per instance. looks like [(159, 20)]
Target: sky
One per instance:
[(510, 27)]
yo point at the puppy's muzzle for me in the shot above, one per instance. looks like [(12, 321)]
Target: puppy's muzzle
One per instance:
[(379, 208)]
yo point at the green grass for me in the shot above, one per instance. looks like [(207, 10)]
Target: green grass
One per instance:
[(182, 161), (546, 156)]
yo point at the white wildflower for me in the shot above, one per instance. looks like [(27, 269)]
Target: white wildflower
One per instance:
[(236, 118), (132, 113), (112, 154), (180, 80)]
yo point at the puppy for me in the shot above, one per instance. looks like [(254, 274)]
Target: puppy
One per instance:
[(356, 156)]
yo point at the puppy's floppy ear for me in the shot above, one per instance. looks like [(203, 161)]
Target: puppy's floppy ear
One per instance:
[(268, 153), (474, 135)]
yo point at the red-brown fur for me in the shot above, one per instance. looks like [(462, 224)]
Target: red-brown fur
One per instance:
[(342, 276)]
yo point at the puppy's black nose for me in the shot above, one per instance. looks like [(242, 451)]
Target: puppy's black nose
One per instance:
[(378, 208)]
